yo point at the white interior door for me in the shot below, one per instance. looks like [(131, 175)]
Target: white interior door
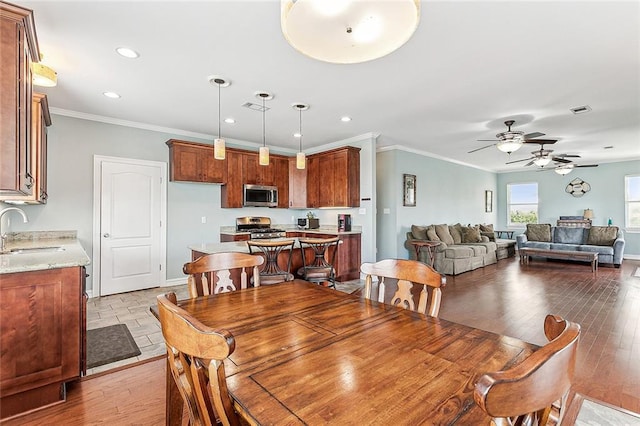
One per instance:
[(130, 227)]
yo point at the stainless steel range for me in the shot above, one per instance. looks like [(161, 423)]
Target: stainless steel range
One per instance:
[(259, 227)]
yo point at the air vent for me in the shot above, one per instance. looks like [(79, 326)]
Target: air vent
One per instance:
[(580, 109), (255, 107)]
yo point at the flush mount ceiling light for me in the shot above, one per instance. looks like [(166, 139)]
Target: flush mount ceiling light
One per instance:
[(219, 150), (348, 31), (301, 160), (345, 119), (43, 75), (112, 95), (263, 157)]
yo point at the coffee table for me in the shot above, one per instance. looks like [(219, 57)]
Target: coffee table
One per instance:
[(586, 256)]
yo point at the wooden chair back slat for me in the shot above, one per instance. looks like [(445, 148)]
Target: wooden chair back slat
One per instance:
[(215, 273), (195, 356), (530, 390), (407, 273)]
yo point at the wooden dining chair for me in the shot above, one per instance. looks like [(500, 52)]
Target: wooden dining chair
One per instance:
[(221, 272), (530, 392), (320, 268), (407, 273), (271, 272), (195, 357)]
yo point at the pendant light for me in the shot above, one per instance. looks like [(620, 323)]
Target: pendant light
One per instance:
[(219, 149), (301, 159), (264, 150)]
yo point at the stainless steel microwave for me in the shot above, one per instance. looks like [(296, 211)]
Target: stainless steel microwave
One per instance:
[(260, 196)]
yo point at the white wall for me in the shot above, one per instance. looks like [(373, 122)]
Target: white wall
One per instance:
[(72, 144)]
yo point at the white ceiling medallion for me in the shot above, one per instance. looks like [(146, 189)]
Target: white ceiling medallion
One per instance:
[(348, 31)]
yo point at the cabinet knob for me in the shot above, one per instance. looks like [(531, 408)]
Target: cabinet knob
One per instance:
[(106, 235)]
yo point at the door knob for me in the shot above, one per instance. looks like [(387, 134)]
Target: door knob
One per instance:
[(106, 235)]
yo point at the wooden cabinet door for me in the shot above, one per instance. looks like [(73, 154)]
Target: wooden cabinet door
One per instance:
[(18, 48), (251, 169), (348, 259), (281, 180), (231, 192), (194, 162), (326, 182), (213, 170), (340, 179), (297, 186), (313, 182)]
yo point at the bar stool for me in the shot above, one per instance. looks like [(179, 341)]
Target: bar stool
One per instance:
[(321, 268), (271, 272)]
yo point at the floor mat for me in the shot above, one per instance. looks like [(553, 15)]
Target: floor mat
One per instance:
[(110, 344)]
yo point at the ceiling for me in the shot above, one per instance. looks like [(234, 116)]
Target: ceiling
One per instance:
[(469, 67)]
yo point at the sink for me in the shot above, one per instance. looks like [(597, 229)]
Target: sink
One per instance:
[(32, 250)]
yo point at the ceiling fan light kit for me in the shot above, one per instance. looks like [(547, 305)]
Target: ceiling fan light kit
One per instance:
[(348, 31), (564, 170), (542, 161)]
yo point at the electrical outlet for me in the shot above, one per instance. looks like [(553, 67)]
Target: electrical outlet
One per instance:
[(204, 219), (362, 211)]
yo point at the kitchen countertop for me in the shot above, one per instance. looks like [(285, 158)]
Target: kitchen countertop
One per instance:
[(231, 230), (69, 254)]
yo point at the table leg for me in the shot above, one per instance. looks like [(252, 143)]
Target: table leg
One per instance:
[(174, 403)]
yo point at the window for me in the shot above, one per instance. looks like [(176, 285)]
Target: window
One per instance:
[(632, 202), (522, 201)]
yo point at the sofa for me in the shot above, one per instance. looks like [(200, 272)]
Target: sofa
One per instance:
[(607, 241), (460, 249)]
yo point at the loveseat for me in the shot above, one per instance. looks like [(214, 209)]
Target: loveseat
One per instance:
[(460, 249), (607, 241)]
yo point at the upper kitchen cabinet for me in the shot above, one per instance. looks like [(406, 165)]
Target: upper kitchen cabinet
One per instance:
[(194, 162), (333, 178), (41, 119), (297, 186), (18, 50)]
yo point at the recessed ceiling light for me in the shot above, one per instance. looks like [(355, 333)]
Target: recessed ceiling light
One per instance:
[(297, 135), (127, 53), (229, 120), (112, 95), (345, 119)]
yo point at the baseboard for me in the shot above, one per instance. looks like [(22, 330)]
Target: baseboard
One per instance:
[(631, 257)]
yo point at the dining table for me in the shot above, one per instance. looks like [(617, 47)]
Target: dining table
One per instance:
[(310, 355)]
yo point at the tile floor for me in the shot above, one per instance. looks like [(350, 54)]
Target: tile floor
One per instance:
[(132, 309)]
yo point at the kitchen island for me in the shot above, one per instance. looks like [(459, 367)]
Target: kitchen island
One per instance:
[(347, 260), (43, 317)]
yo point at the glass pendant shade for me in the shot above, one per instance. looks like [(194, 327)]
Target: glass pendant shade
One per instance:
[(542, 161), (219, 151), (563, 170), (301, 160), (264, 156), (509, 145)]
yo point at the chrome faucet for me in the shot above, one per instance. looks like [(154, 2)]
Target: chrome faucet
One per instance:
[(3, 236)]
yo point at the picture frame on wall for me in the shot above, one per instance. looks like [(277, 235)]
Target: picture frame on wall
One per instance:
[(488, 201), (409, 190)]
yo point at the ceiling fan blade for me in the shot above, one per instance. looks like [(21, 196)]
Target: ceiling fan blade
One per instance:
[(586, 165), (518, 161), (487, 140), (533, 135), (529, 163), (478, 149), (560, 160), (568, 156), (541, 141)]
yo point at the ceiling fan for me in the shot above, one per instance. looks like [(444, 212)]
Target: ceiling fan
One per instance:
[(542, 157), (563, 169), (512, 140)]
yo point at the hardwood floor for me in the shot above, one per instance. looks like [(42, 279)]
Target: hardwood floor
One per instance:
[(505, 298)]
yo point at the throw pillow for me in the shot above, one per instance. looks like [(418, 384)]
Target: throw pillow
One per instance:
[(486, 228), (444, 234), (567, 235), (456, 233), (431, 233), (471, 234), (602, 235), (538, 232), (419, 232)]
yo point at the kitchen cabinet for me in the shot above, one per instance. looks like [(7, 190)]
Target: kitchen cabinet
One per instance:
[(297, 186), (43, 335), (18, 50), (41, 119), (333, 178), (194, 162), (224, 238), (231, 192)]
